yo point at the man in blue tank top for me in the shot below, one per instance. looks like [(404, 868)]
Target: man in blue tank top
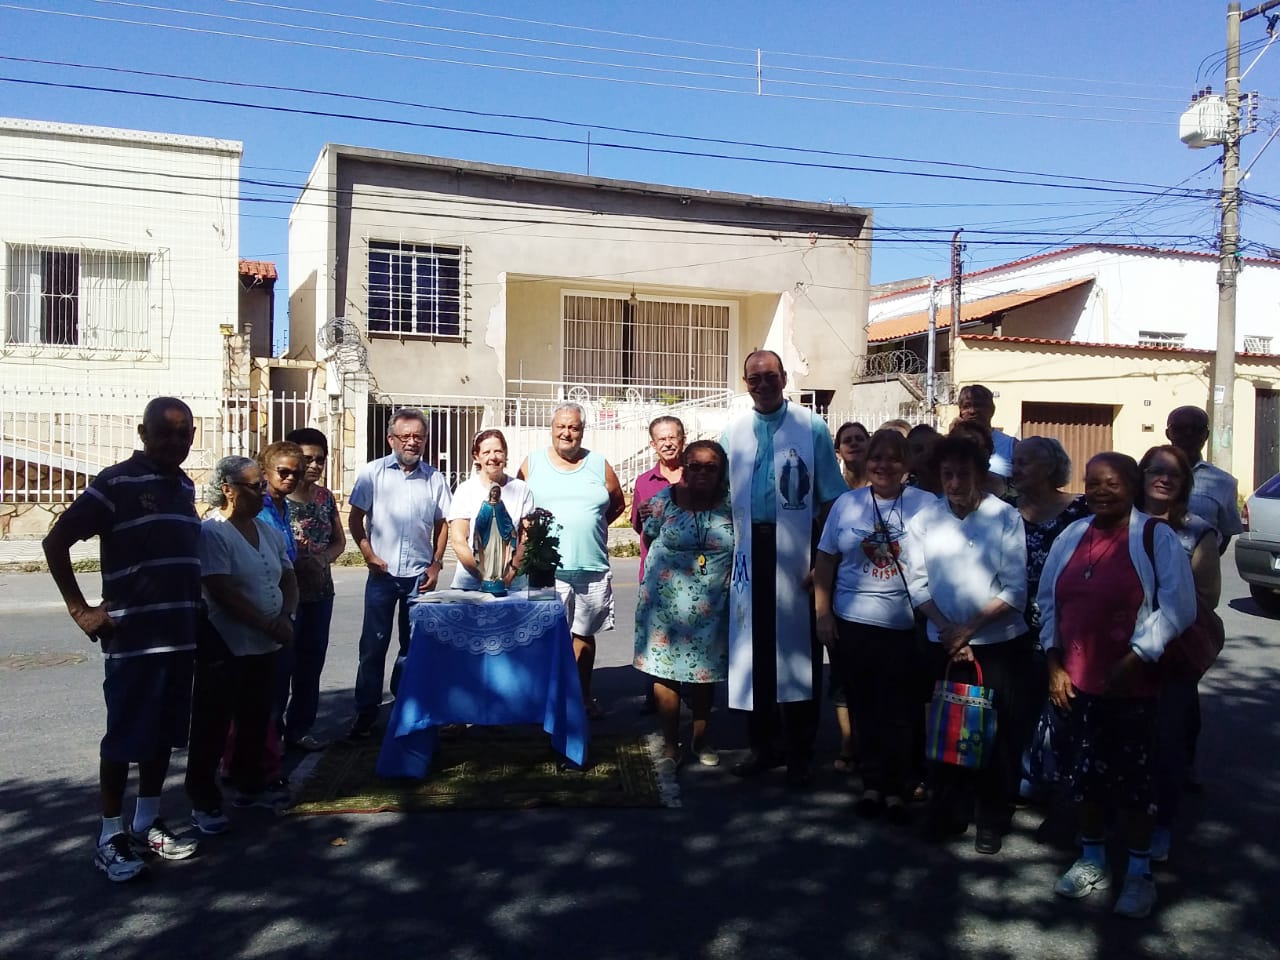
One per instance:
[(582, 491)]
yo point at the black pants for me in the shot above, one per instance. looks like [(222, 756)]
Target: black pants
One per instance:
[(239, 689), (798, 720), (1004, 669), (874, 664)]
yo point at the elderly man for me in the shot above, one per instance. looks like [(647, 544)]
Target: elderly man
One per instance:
[(580, 488), (1214, 493), (143, 512), (398, 508), (783, 475), (666, 436), (978, 403)]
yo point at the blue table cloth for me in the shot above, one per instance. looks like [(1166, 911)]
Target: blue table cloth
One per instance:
[(508, 660)]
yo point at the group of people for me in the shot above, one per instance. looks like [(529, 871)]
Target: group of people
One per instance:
[(906, 554), (911, 556), (213, 632)]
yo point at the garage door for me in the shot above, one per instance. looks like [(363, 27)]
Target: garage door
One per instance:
[(1083, 428)]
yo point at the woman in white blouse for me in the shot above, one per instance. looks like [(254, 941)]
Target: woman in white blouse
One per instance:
[(489, 452), (968, 576)]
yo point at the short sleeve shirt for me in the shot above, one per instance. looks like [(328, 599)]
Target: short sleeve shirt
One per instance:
[(256, 572), (147, 527), (1214, 495), (402, 510)]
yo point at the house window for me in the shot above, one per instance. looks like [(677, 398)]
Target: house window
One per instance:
[(1160, 338), (415, 290), (58, 296), (1257, 344), (663, 348)]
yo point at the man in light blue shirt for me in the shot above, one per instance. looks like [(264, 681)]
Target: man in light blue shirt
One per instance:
[(398, 510), (1214, 492)]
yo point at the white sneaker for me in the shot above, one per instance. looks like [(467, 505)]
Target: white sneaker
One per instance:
[(159, 840), (210, 822), (1137, 897), (118, 860), (1082, 879)]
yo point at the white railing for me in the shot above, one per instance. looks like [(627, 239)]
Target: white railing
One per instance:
[(54, 440)]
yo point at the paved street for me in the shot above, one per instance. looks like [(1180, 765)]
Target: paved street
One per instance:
[(741, 870)]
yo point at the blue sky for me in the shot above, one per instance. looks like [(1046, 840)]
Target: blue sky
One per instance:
[(1075, 91)]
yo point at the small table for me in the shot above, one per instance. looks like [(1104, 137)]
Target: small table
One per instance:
[(505, 660)]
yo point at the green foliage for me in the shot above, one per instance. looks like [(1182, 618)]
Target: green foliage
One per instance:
[(541, 542)]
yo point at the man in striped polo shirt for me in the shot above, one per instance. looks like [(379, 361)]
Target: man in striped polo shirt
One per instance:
[(143, 512)]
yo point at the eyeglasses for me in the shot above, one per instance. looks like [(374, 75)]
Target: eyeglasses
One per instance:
[(286, 474), (259, 485), (1154, 473), (756, 379), (408, 437), (318, 461), (702, 467)]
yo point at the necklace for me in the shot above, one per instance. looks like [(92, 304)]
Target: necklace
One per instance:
[(1088, 570), (882, 526), (702, 529)]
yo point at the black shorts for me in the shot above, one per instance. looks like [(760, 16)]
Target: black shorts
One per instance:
[(148, 705), (1112, 742)]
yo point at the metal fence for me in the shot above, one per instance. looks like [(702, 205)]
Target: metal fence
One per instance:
[(53, 440)]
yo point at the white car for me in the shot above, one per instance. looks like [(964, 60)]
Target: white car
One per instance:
[(1258, 548)]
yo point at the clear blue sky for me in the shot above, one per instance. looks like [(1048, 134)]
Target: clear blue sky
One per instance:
[(1075, 90)]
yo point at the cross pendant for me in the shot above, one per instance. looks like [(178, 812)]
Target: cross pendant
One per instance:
[(1088, 572)]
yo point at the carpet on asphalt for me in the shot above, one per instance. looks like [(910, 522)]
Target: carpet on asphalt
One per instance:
[(489, 768)]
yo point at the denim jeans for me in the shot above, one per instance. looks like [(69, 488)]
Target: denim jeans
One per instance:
[(298, 669), (382, 595)]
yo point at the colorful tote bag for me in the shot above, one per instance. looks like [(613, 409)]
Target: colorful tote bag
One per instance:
[(960, 722)]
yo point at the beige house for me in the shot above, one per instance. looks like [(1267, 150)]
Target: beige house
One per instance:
[(485, 292)]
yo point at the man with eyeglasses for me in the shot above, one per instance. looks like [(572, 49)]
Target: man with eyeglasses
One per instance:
[(783, 475), (143, 512), (399, 505)]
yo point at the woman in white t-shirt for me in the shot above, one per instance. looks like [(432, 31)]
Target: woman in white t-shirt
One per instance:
[(489, 451), (865, 618)]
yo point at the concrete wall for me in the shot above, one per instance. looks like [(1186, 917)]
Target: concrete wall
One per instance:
[(790, 291), (1141, 385), (169, 197)]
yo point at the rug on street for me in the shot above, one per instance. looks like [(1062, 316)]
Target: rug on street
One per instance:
[(488, 768)]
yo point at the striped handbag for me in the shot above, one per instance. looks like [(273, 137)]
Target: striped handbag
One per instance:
[(960, 722)]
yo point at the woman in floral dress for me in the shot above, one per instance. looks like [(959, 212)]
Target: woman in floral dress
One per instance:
[(682, 617)]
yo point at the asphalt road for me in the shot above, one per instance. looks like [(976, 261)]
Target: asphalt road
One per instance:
[(740, 870)]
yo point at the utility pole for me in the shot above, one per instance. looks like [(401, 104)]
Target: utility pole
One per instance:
[(1223, 382), (957, 268), (931, 350)]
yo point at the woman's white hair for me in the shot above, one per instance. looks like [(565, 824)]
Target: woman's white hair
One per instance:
[(226, 470)]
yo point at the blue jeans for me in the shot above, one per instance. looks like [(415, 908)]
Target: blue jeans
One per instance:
[(298, 669), (382, 595)]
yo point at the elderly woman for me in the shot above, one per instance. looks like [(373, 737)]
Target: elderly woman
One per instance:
[(682, 614), (319, 541), (968, 576), (1041, 468), (1166, 490), (489, 454), (1107, 612), (865, 618), (981, 434), (252, 595)]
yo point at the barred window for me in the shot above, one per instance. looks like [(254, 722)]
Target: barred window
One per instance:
[(415, 289), (679, 348), (67, 296), (1160, 338)]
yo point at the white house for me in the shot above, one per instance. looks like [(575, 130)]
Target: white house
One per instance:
[(483, 292), (118, 266), (1094, 344)]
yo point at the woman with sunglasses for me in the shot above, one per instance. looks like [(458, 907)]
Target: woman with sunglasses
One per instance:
[(281, 465), (252, 596), (1166, 491), (319, 539)]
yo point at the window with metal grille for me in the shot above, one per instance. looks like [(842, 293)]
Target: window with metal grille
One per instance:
[(65, 296), (1160, 338), (674, 349), (415, 289), (1257, 344)]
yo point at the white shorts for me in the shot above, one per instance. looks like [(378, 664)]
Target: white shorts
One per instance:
[(588, 601)]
